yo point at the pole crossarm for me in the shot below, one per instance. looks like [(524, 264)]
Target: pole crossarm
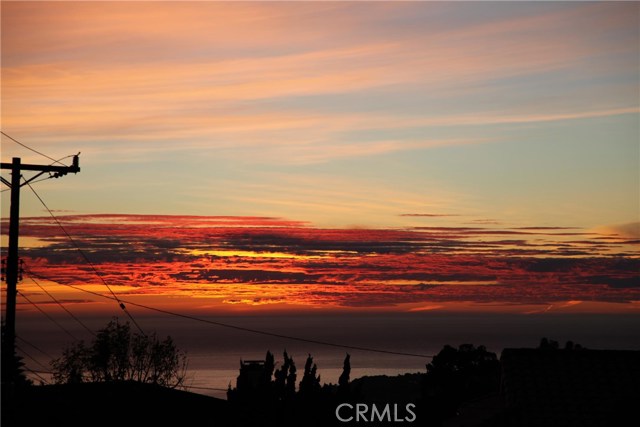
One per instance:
[(57, 171), (74, 168), (44, 168)]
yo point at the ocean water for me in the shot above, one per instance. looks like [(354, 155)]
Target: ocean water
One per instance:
[(214, 352)]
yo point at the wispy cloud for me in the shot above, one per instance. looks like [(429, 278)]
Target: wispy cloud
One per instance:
[(428, 215), (344, 113), (169, 78)]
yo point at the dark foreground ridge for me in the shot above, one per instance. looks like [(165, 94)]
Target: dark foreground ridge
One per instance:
[(542, 387), (468, 386), (116, 404)]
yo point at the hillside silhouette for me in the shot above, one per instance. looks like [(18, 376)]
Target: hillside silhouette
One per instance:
[(548, 385)]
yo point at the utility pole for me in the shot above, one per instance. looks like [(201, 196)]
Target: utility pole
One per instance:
[(13, 263)]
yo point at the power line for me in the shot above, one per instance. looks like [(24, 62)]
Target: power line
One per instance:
[(187, 387), (257, 331), (31, 149), (59, 303), (31, 370), (36, 348), (47, 316), (33, 182), (43, 372), (31, 357), (272, 334), (44, 381), (87, 260)]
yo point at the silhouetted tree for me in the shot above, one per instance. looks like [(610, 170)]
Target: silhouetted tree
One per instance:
[(285, 379), (343, 381), (310, 383), (547, 344), (108, 357), (570, 345), (117, 354), (269, 366), (280, 377), (312, 405), (291, 379), (71, 368), (457, 375)]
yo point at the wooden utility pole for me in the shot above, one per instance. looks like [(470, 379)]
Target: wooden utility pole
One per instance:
[(13, 263)]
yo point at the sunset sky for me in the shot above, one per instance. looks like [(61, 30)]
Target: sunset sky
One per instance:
[(330, 155)]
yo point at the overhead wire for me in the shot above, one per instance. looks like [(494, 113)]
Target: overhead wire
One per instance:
[(255, 331), (36, 361), (35, 347), (31, 149), (47, 315), (44, 372), (88, 261), (42, 379), (33, 182), (58, 302), (122, 302), (187, 387)]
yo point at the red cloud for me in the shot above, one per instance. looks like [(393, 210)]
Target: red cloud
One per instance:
[(269, 260)]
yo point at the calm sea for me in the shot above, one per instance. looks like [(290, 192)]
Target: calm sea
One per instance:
[(214, 352)]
